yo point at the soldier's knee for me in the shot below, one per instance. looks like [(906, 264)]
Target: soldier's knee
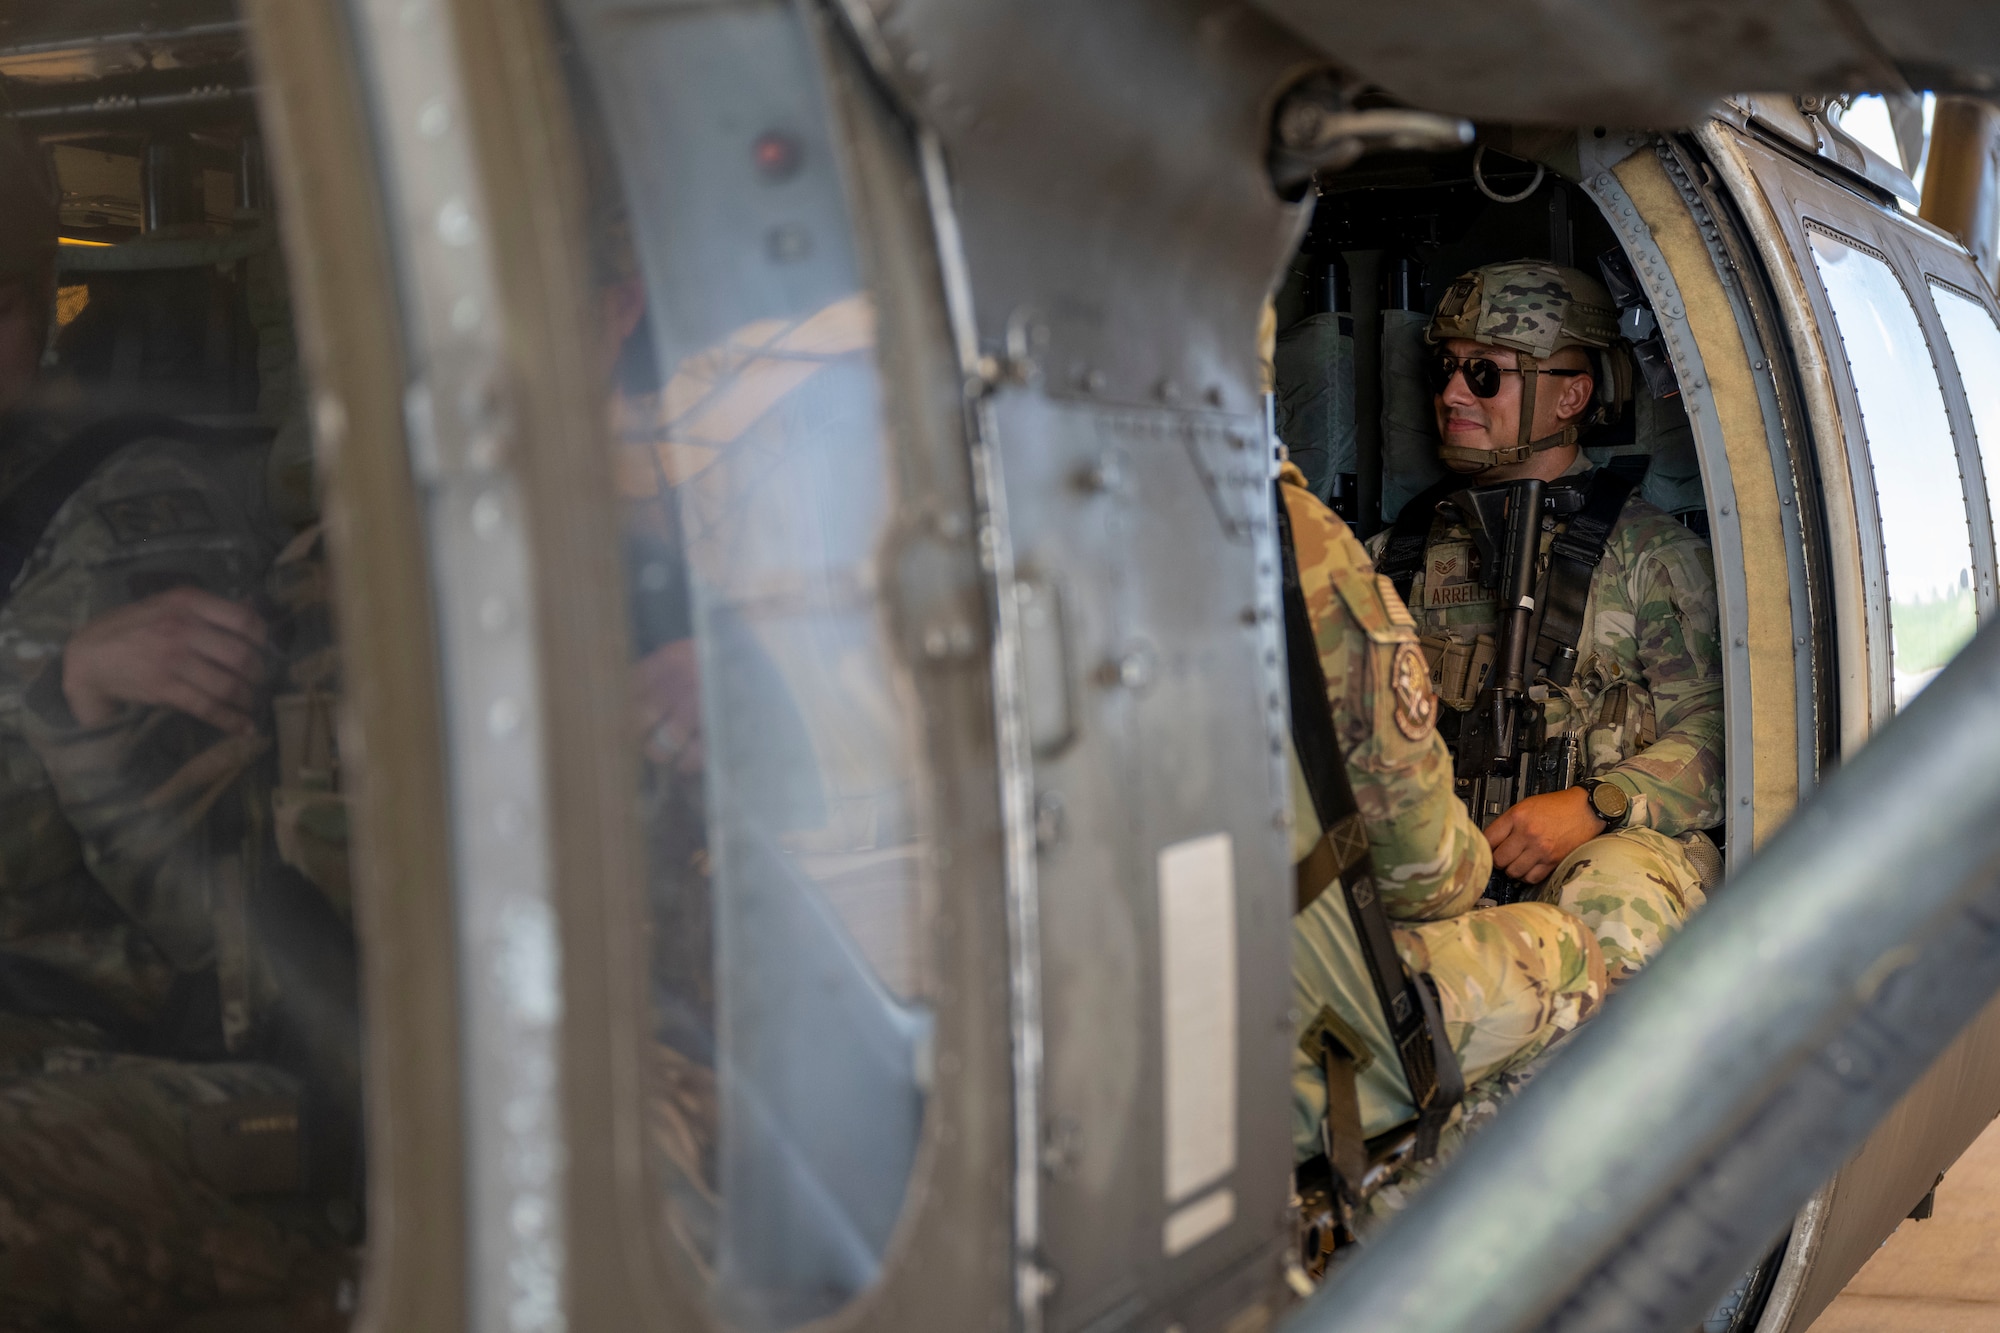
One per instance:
[(1634, 889), (1515, 979), (1629, 871), (1572, 960), (1568, 937)]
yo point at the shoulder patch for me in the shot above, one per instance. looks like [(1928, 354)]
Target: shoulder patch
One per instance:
[(144, 518), (1410, 681)]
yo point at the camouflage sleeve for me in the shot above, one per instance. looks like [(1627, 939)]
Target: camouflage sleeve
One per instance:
[(1676, 782), (1430, 860), (36, 843), (138, 791)]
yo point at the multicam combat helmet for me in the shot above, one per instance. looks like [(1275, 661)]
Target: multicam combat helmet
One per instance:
[(1536, 309)]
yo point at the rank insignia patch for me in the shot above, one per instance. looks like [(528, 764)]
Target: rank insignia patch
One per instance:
[(1410, 682), (145, 518)]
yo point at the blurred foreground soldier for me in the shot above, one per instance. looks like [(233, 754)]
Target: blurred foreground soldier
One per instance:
[(1506, 982), (178, 1040), (1621, 657)]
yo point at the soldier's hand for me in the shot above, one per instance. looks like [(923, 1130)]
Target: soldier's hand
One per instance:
[(1534, 835), (666, 693), (183, 648)]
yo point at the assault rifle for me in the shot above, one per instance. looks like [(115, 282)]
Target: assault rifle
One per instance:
[(1503, 752)]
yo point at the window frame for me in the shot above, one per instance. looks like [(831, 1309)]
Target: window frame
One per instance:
[(1963, 280), (1802, 197), (481, 194), (1868, 498), (313, 110), (1777, 188)]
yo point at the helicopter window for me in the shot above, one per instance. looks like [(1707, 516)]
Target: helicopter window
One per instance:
[(179, 1028), (787, 1050), (1975, 341), (1928, 554)]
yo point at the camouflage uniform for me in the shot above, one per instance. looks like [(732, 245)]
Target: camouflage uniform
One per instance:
[(1646, 702), (150, 1167), (1511, 980), (1646, 698)]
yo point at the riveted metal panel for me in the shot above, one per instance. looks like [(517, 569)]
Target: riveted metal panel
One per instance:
[(1107, 163), (1102, 169), (1644, 62), (1174, 656)]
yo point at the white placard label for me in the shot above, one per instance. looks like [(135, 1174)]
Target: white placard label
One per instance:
[(1190, 1226), (1198, 1012)]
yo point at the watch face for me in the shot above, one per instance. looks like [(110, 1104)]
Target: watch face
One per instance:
[(1609, 801)]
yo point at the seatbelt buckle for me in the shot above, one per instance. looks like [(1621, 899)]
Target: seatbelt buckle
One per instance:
[(1420, 1063)]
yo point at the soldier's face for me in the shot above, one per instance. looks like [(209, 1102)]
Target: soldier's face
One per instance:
[(1472, 422), (20, 341)]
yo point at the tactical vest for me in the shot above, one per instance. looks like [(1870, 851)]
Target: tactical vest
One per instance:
[(1604, 703), (239, 803)]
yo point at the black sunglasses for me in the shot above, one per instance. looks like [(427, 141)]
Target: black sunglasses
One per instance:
[(1482, 374)]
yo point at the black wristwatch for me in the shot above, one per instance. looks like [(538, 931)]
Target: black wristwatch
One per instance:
[(1608, 801)]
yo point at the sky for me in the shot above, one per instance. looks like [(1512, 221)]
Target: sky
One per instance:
[(1868, 121)]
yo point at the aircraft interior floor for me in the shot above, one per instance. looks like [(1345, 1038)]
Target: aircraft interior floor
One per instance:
[(1940, 1275)]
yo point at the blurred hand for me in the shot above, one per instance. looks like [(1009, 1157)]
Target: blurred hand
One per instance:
[(183, 648), (666, 694), (1534, 835)]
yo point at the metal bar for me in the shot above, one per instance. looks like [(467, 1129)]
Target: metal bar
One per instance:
[(1668, 1146), (153, 38), (134, 104), (149, 254)]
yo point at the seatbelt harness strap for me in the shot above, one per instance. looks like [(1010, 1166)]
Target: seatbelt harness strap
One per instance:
[(1416, 1026), (1410, 536), (1573, 560), (1346, 1144)]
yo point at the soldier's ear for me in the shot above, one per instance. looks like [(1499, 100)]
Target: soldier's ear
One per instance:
[(1577, 394)]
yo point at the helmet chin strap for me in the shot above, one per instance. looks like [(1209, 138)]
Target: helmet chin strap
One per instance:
[(1461, 459)]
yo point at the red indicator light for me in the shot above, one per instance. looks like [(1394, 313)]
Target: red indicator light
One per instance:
[(776, 155)]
